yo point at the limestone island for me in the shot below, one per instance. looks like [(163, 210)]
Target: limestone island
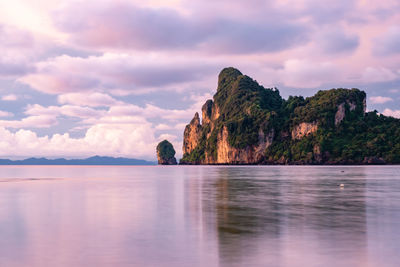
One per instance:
[(166, 153), (246, 123)]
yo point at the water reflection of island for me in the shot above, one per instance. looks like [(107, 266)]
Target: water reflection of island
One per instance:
[(301, 220)]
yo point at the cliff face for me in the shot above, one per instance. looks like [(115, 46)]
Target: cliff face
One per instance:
[(246, 123), (219, 138), (192, 135), (227, 154)]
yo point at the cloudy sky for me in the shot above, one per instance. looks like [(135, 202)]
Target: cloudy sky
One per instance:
[(115, 77)]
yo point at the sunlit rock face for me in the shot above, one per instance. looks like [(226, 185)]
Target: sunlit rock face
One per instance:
[(246, 123), (304, 129), (192, 134)]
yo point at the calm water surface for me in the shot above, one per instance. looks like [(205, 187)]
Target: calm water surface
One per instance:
[(199, 216)]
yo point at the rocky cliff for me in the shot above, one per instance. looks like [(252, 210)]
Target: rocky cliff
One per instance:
[(246, 123)]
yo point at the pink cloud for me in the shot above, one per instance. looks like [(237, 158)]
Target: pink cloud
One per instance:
[(65, 74), (88, 99), (300, 73), (36, 121), (17, 48), (379, 74), (109, 132), (15, 38), (152, 111), (10, 97), (5, 114), (380, 99), (11, 67), (123, 25), (392, 113), (65, 110)]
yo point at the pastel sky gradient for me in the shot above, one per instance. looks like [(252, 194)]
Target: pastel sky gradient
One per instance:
[(115, 77)]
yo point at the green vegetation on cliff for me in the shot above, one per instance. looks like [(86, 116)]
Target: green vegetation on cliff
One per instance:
[(165, 153), (330, 127)]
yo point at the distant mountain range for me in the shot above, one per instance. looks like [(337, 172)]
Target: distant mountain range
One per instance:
[(96, 160)]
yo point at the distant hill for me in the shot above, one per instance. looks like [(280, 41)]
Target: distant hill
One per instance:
[(96, 160), (246, 123)]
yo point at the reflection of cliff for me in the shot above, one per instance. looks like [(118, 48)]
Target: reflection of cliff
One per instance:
[(247, 210), (240, 208), (279, 215)]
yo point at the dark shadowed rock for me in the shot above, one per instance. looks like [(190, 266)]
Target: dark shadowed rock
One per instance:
[(166, 153), (373, 160)]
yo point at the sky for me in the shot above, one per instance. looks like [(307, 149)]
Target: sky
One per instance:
[(115, 77)]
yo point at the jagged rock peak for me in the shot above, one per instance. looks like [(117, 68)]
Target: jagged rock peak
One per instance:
[(192, 134), (196, 119)]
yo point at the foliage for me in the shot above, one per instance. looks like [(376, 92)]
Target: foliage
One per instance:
[(165, 150), (245, 108), (322, 106)]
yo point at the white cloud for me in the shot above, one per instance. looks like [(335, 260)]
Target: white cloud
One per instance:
[(10, 97), (66, 110), (306, 74), (392, 113), (88, 99), (152, 111), (37, 121), (378, 74), (380, 99), (121, 130), (116, 140), (163, 127), (5, 114), (46, 117), (18, 48)]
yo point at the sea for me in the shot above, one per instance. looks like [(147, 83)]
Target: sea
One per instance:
[(199, 216)]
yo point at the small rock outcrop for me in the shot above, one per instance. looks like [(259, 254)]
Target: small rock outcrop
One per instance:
[(166, 153)]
